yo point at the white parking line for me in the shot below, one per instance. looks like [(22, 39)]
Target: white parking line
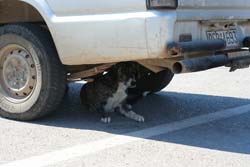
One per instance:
[(96, 146)]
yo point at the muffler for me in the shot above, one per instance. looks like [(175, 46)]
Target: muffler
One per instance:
[(208, 62)]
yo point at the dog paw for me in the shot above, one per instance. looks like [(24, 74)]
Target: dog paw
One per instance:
[(136, 117), (106, 120), (139, 118)]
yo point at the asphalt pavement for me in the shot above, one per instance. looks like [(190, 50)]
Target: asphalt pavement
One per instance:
[(200, 119)]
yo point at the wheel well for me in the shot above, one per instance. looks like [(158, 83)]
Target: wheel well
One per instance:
[(16, 11), (13, 11)]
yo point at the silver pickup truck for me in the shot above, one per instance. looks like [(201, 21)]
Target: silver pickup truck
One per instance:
[(46, 43)]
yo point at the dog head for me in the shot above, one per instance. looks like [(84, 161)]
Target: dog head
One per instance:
[(127, 73)]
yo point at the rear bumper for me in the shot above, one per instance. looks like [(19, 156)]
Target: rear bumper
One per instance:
[(107, 38)]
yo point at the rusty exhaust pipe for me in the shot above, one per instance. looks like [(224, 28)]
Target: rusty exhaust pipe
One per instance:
[(207, 46)]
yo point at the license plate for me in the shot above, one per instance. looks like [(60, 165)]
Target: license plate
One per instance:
[(230, 36)]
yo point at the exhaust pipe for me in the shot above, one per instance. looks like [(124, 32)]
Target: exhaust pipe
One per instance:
[(205, 63), (207, 46)]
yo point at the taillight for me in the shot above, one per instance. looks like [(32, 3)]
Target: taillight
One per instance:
[(171, 4)]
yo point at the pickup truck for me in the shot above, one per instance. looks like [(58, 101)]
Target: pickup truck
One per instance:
[(46, 43)]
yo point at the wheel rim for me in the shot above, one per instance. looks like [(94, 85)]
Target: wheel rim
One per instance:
[(18, 72)]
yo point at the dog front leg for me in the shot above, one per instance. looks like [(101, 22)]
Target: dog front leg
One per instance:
[(127, 111), (106, 114)]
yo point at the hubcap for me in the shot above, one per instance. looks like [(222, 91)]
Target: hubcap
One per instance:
[(18, 71)]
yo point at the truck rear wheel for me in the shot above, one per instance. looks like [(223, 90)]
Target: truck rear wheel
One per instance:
[(152, 82), (32, 78)]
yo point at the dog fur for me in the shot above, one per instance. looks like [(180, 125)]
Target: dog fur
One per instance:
[(108, 93)]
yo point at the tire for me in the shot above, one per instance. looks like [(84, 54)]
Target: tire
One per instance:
[(32, 78), (152, 82)]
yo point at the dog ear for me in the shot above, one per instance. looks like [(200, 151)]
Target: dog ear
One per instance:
[(115, 68), (136, 70), (119, 71)]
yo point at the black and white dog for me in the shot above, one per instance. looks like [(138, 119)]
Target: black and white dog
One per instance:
[(108, 93)]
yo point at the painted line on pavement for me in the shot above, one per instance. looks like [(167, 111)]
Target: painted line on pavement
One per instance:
[(97, 146)]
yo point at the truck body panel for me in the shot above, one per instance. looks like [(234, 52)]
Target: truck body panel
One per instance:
[(94, 32)]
